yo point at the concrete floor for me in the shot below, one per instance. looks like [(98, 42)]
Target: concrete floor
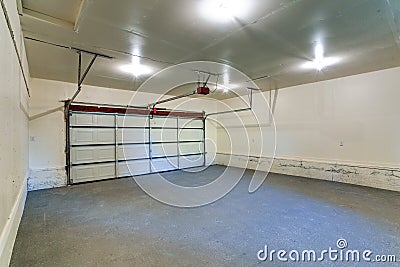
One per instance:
[(114, 223)]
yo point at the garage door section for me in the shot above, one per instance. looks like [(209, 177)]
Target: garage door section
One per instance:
[(133, 156), (191, 143), (113, 144), (92, 146)]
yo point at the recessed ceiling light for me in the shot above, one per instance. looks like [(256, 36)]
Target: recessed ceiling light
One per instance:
[(319, 51), (136, 69), (223, 10), (320, 62)]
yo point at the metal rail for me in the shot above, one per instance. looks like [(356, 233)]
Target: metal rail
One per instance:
[(69, 47), (133, 107), (109, 105), (237, 110), (7, 18), (153, 105), (134, 159), (177, 139), (116, 146), (204, 139), (137, 143)]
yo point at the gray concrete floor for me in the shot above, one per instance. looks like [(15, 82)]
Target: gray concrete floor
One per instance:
[(114, 223)]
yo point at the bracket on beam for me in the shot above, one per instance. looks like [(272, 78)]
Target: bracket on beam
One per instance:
[(81, 77)]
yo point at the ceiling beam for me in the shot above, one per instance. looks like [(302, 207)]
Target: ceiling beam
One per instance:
[(46, 18), (81, 13)]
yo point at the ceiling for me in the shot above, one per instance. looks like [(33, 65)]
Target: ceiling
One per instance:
[(270, 42)]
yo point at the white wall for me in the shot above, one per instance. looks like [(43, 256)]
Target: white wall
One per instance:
[(13, 134), (47, 126), (311, 121), (361, 112)]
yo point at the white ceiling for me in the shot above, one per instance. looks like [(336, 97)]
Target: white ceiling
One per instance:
[(269, 43)]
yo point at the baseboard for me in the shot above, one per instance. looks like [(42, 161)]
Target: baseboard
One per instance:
[(376, 176), (10, 230), (46, 178)]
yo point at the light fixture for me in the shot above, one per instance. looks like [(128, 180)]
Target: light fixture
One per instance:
[(136, 69), (224, 10), (319, 52), (320, 62)]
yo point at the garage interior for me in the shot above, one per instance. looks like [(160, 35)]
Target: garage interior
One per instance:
[(199, 132)]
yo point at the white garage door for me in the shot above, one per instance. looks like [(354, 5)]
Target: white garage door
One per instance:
[(108, 145)]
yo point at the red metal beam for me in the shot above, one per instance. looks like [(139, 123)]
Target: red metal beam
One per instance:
[(85, 108)]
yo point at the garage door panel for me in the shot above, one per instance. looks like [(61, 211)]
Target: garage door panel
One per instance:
[(190, 148), (190, 123), (164, 135), (190, 135), (81, 155), (89, 136), (191, 161), (132, 121), (133, 152), (160, 150), (93, 172), (161, 165), (132, 135), (81, 119), (163, 122), (131, 168)]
